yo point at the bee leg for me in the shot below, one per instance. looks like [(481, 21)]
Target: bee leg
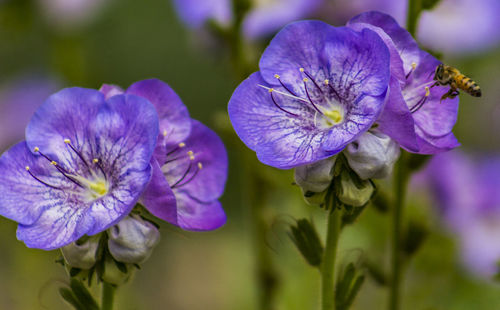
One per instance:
[(435, 84), (453, 94), (448, 94)]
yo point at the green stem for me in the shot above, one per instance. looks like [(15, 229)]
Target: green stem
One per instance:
[(108, 294), (328, 262), (414, 10), (401, 177)]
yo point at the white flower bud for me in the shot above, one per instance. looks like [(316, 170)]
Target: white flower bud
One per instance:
[(315, 177), (81, 254), (352, 194), (132, 240), (372, 155)]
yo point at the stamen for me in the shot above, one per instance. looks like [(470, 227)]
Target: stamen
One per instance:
[(68, 142), (311, 78), (284, 86), (309, 97), (182, 144), (277, 105), (98, 164), (44, 183), (421, 102), (179, 146), (282, 93), (200, 166), (184, 175), (164, 133), (413, 66), (59, 168), (327, 82)]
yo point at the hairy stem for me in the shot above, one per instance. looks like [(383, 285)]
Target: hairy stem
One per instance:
[(328, 263), (401, 177)]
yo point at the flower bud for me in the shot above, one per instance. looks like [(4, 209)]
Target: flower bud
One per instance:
[(314, 179), (81, 253), (112, 274), (132, 240), (372, 155), (355, 193)]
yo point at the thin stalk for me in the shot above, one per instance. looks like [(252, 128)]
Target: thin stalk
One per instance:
[(401, 177), (414, 10), (328, 263), (108, 294)]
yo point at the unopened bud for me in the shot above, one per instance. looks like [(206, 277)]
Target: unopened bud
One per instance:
[(81, 253)]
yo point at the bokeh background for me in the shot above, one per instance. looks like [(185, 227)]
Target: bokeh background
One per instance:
[(49, 44)]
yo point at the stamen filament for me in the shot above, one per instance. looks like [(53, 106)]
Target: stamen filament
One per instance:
[(282, 93), (284, 86), (277, 105), (184, 175), (44, 183), (311, 78), (68, 142), (413, 66), (421, 102), (327, 82), (309, 97), (98, 164), (192, 176)]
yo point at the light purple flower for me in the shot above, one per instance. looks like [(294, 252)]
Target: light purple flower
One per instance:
[(466, 190), (264, 18), (83, 166), (70, 14), (319, 88), (189, 163), (19, 98), (414, 115), (458, 27)]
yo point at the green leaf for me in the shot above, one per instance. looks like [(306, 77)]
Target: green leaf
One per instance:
[(306, 239), (121, 266), (344, 284), (414, 237), (83, 295), (69, 297), (354, 291), (73, 272)]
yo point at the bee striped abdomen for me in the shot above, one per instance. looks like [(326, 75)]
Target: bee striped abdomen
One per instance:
[(468, 85)]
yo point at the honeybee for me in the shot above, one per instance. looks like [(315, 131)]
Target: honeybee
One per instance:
[(446, 75)]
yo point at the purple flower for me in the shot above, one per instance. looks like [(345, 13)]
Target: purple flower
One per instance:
[(461, 26), (69, 14), (83, 166), (414, 115), (189, 163), (466, 191), (319, 88), (264, 18)]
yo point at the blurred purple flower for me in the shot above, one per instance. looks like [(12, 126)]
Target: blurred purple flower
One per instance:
[(83, 166), (339, 12), (264, 18), (461, 26), (319, 88), (467, 192), (189, 162), (414, 115), (19, 98)]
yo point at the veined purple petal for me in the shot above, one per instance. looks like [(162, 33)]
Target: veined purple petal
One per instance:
[(198, 215)]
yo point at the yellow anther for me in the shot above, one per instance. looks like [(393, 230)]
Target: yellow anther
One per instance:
[(305, 79), (95, 160), (427, 91), (191, 157), (413, 65), (165, 133), (190, 153), (67, 141), (270, 90), (334, 115), (200, 166), (327, 81), (277, 76), (53, 163), (36, 149), (182, 144), (301, 69), (27, 168)]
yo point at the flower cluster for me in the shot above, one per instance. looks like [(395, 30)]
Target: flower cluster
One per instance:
[(361, 90), (91, 155)]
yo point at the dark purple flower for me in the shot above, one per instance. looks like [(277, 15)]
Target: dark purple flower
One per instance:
[(466, 191), (83, 166), (189, 163), (319, 88), (414, 115), (264, 18)]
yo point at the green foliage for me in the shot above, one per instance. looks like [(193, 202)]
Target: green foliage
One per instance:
[(306, 239), (348, 286)]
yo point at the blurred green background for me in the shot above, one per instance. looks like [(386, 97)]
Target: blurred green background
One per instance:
[(131, 40)]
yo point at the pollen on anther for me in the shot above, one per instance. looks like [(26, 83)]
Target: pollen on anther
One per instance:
[(277, 76), (301, 69), (413, 65), (27, 168), (270, 90), (200, 166), (305, 79), (164, 133), (53, 163), (327, 81), (182, 144), (427, 91), (67, 141), (36, 149), (95, 160)]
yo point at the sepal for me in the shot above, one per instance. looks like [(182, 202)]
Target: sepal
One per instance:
[(306, 239)]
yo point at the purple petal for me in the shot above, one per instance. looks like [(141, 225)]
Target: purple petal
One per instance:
[(205, 183), (175, 122), (269, 17), (280, 140), (405, 44), (158, 198), (197, 215), (195, 13), (110, 90), (432, 145), (396, 120)]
